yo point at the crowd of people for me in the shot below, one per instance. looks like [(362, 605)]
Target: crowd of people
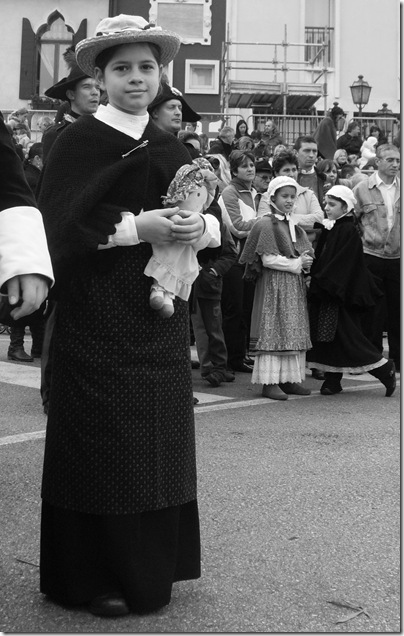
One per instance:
[(294, 251)]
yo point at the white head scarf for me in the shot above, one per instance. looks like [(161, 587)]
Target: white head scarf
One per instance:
[(344, 193)]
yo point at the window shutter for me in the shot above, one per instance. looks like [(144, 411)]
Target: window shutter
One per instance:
[(28, 61), (81, 32)]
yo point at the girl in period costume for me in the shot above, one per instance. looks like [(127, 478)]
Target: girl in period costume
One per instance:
[(341, 289), (277, 253), (119, 514)]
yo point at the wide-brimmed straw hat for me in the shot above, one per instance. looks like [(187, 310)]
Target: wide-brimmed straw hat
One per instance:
[(125, 29), (165, 94)]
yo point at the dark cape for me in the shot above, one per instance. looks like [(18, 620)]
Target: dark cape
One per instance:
[(119, 466), (341, 291)]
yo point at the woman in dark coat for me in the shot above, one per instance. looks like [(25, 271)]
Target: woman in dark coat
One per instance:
[(33, 165), (341, 289), (119, 516)]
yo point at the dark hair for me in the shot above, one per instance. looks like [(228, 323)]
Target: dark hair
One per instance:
[(282, 158), (187, 134), (215, 163), (325, 165), (36, 149), (352, 124), (256, 135), (304, 139), (348, 170), (238, 157), (106, 55), (238, 133)]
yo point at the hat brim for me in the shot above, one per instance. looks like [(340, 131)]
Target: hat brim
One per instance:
[(58, 90), (87, 50), (188, 114)]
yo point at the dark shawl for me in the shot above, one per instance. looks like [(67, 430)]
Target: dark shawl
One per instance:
[(339, 272), (270, 235)]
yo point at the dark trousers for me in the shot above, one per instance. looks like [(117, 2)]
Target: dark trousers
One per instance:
[(386, 313), (17, 334), (209, 337), (237, 302)]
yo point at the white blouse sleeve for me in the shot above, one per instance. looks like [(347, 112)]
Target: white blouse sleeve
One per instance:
[(23, 245), (282, 263), (126, 233)]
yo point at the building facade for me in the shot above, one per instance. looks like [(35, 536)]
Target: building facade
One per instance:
[(260, 56)]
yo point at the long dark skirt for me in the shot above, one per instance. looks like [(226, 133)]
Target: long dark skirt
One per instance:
[(349, 351), (139, 556)]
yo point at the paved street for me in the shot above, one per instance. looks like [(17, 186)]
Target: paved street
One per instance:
[(299, 506)]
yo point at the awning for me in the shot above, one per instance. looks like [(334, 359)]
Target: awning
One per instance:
[(270, 95)]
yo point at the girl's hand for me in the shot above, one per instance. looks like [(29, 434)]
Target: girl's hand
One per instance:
[(31, 288), (189, 229), (154, 226), (307, 260)]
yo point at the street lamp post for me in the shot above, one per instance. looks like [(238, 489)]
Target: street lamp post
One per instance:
[(360, 91)]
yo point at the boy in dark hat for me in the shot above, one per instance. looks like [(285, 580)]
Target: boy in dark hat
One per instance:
[(82, 94), (169, 109)]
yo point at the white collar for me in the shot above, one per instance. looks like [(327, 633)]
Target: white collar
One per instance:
[(131, 125), (288, 218), (311, 171), (380, 182)]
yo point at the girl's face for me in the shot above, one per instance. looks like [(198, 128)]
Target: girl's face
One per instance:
[(131, 78), (242, 129), (334, 208), (246, 171), (331, 175), (284, 199)]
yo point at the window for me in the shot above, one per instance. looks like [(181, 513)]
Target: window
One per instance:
[(202, 76), (53, 42), (314, 54), (191, 19)]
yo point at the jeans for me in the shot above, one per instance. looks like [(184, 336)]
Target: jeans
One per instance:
[(209, 338)]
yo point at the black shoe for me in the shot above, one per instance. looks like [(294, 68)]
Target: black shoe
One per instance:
[(317, 374), (329, 388), (109, 605), (19, 355), (242, 368), (387, 376), (196, 401), (249, 361), (46, 408), (228, 376), (195, 364), (215, 378), (294, 388)]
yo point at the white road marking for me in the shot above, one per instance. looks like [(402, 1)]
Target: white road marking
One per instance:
[(22, 437), (20, 374)]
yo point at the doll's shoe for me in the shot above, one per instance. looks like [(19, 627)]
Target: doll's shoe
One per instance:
[(156, 297), (167, 309), (273, 392), (294, 388)]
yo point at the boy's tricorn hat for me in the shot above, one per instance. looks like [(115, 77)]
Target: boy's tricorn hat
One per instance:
[(166, 93), (58, 90)]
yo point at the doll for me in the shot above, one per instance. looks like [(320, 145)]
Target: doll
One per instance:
[(174, 267)]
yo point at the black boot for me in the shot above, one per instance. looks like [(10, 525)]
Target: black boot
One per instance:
[(387, 376), (332, 383), (16, 348)]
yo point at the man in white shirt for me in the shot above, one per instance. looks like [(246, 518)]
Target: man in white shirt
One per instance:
[(378, 210)]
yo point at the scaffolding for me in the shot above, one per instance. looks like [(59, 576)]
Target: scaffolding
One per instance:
[(280, 94)]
